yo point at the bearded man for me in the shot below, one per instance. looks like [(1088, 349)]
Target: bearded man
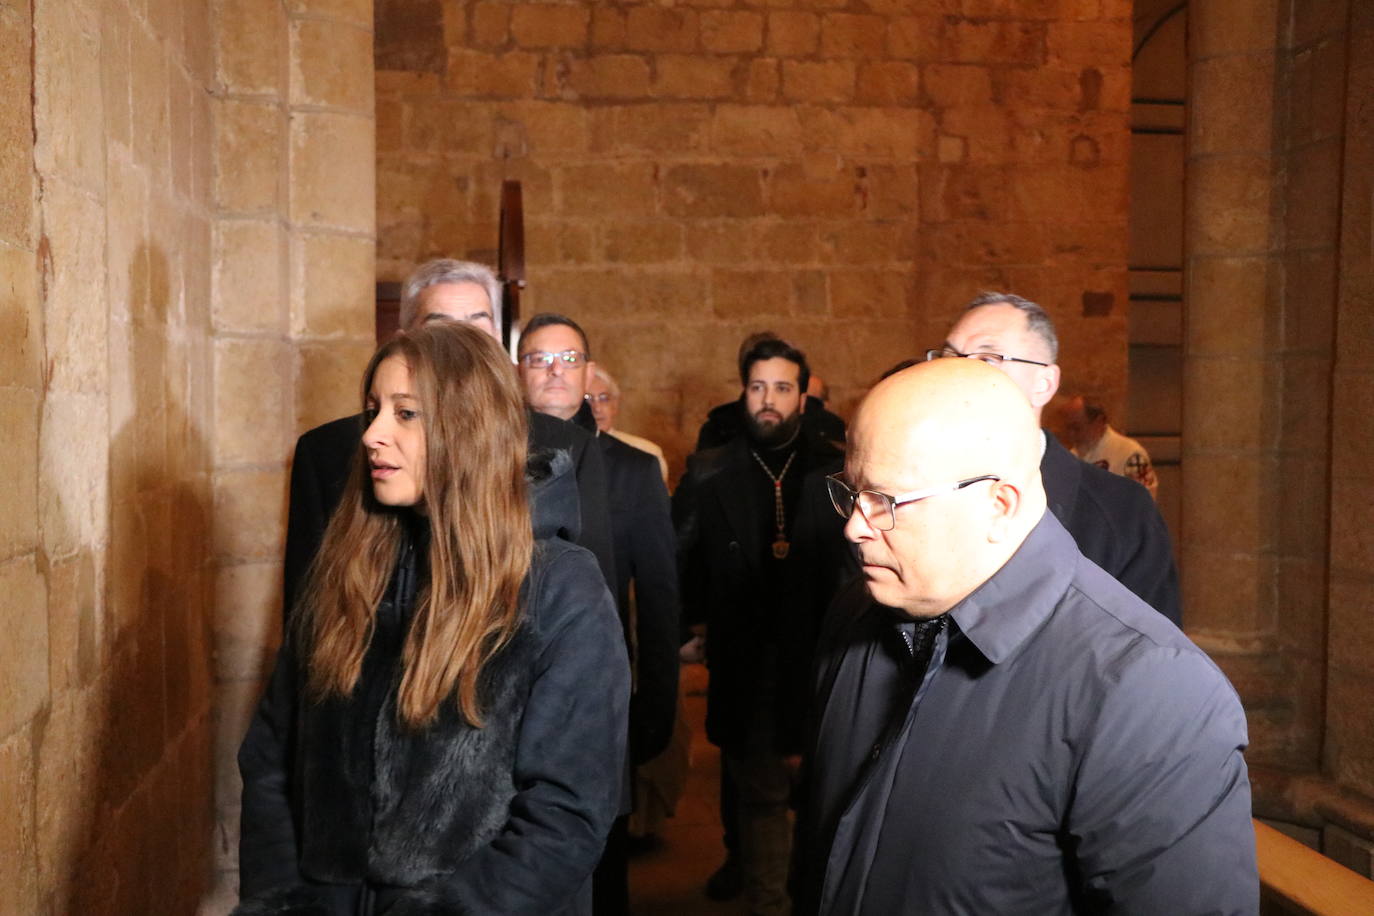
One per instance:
[(736, 513)]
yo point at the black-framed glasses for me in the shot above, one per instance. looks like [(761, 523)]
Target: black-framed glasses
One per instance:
[(992, 359), (880, 509), (543, 359)]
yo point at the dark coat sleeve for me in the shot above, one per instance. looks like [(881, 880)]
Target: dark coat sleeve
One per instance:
[(268, 848), (1149, 569), (592, 490), (568, 765), (686, 510), (1161, 813), (319, 472), (650, 553)]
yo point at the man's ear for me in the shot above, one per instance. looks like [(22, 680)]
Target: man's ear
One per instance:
[(1046, 385), (1005, 503), (801, 408)]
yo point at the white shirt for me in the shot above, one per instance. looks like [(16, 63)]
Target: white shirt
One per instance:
[(1122, 455)]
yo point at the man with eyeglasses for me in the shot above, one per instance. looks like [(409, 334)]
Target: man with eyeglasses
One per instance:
[(439, 290), (555, 367), (740, 513), (1113, 519), (1000, 726)]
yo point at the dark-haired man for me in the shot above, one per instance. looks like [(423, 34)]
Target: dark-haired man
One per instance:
[(555, 367), (726, 421), (1113, 519), (736, 511)]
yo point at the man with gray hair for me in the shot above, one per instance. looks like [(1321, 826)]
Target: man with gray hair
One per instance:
[(1002, 727), (439, 290), (1114, 520)]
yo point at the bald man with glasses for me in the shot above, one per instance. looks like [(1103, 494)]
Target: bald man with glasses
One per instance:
[(1000, 726)]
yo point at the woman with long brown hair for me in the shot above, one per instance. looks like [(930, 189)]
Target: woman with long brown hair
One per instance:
[(444, 729)]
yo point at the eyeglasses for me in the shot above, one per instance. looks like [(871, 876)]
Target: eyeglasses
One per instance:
[(543, 359), (992, 359), (602, 398), (879, 509)]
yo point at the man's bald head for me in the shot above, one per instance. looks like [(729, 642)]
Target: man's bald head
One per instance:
[(931, 426)]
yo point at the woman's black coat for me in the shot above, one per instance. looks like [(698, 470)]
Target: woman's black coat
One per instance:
[(345, 811)]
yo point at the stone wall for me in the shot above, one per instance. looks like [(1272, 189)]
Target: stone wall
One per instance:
[(845, 173), (106, 697), (186, 269)]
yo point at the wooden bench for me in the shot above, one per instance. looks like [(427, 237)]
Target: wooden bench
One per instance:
[(1295, 879)]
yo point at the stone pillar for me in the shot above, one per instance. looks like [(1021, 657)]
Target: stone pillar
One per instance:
[(1349, 747), (293, 294), (1261, 235)]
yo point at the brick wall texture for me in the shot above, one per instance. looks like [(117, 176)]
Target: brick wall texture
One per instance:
[(844, 173)]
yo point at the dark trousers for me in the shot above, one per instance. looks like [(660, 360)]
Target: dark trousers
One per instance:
[(611, 880)]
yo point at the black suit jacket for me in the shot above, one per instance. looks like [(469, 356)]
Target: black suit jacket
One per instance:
[(1116, 525), (725, 585), (645, 556), (326, 454)]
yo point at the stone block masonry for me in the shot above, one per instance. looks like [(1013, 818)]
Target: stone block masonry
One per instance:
[(704, 170)]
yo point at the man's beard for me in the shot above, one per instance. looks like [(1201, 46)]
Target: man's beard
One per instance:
[(772, 435)]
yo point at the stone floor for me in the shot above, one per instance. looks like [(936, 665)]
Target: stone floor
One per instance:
[(669, 879)]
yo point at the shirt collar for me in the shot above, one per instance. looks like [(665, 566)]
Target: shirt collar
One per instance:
[(1002, 613)]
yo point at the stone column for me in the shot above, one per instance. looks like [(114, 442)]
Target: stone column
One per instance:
[(293, 313), (1261, 191)]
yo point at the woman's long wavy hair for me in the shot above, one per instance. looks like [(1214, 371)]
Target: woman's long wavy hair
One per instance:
[(474, 495)]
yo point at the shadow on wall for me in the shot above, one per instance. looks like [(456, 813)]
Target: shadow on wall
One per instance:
[(146, 845)]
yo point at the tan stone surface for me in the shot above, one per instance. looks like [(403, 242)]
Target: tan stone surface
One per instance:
[(614, 76), (688, 76), (1234, 98), (328, 187), (248, 291), (712, 191), (74, 609), (24, 651), (248, 155), (731, 31), (549, 25), (585, 190), (19, 490), (755, 130), (670, 129), (249, 512), (793, 33), (75, 324), (18, 842), (333, 292), (642, 243), (16, 126), (248, 619), (818, 81), (356, 12), (21, 327), (852, 35), (649, 28), (328, 380), (252, 382), (67, 65), (149, 69), (324, 65), (73, 473), (251, 45)]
